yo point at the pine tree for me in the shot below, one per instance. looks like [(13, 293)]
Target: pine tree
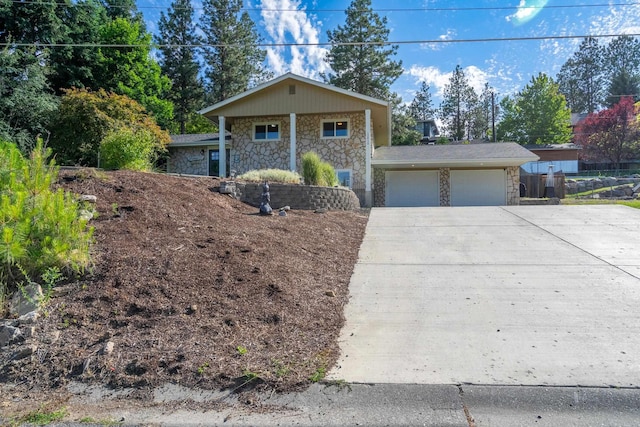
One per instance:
[(622, 66), (360, 56), (458, 104), (421, 107), (581, 78), (623, 84), (177, 39), (232, 57)]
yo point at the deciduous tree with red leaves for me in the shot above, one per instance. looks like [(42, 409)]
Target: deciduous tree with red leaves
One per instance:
[(611, 135)]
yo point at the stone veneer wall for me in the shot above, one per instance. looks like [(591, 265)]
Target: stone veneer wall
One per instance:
[(513, 185), (445, 186), (379, 187), (341, 153), (188, 160), (299, 196)]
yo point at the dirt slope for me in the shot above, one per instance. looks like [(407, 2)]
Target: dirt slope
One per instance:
[(193, 287)]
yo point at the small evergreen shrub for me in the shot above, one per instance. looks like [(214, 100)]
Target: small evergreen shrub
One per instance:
[(317, 172), (126, 148), (40, 229), (271, 175)]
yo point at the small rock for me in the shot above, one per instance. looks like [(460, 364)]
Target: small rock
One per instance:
[(108, 348), (88, 198), (29, 318), (86, 215), (330, 294), (282, 213), (285, 208), (24, 352), (9, 335), (25, 301), (29, 331), (265, 209), (321, 210)]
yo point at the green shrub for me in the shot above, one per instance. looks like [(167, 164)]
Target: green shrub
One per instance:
[(127, 148), (40, 229), (317, 172), (271, 175)]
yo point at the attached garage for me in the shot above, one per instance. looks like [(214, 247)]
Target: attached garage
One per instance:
[(478, 187), (412, 188), (448, 175)]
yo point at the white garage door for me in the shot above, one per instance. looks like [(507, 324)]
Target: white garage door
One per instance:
[(412, 188), (478, 187)]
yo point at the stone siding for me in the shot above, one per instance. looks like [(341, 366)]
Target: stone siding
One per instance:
[(513, 185), (188, 161), (445, 186), (307, 197), (341, 153), (379, 187)]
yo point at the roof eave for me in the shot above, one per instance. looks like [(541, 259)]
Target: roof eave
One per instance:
[(453, 163)]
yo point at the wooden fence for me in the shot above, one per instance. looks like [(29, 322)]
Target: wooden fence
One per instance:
[(535, 185)]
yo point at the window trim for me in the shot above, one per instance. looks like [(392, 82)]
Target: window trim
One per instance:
[(266, 139), (350, 172), (335, 121)]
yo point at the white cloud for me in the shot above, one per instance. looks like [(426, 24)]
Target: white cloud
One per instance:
[(437, 79), (285, 21), (527, 10), (449, 35)]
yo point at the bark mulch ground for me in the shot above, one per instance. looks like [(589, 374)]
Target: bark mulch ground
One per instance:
[(191, 286)]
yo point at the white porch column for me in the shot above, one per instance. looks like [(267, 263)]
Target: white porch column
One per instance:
[(367, 174), (292, 139), (222, 151)]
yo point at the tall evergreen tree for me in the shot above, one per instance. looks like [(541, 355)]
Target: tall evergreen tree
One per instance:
[(623, 84), (538, 114), (36, 21), (126, 9), (177, 39), (581, 78), (360, 56), (75, 65), (458, 104), (26, 102), (421, 108), (232, 57), (622, 66)]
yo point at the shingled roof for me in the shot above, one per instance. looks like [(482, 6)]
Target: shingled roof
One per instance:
[(499, 154)]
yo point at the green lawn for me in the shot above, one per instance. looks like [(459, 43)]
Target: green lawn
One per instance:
[(572, 201)]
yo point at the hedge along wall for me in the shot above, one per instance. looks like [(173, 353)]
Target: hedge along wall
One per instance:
[(309, 197)]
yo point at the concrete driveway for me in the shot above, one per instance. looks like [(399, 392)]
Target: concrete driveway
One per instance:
[(522, 295)]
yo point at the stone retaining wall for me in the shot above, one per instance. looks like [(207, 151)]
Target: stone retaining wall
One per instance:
[(573, 186), (306, 197)]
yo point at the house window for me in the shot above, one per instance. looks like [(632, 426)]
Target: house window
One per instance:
[(344, 177), (266, 132), (335, 129)]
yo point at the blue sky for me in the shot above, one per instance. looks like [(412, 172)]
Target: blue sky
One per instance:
[(506, 65)]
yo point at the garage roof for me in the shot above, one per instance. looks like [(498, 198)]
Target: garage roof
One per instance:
[(499, 154)]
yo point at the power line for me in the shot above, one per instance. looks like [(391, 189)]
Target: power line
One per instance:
[(410, 9), (320, 44)]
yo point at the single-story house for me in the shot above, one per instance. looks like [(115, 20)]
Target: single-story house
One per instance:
[(272, 125)]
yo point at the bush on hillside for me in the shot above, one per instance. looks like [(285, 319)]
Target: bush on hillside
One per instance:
[(271, 175), (127, 149), (85, 118), (317, 172), (41, 229)]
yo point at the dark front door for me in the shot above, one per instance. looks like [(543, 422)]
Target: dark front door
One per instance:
[(214, 162)]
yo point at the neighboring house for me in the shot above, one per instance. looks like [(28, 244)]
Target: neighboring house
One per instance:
[(563, 158), (428, 130), (274, 124)]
